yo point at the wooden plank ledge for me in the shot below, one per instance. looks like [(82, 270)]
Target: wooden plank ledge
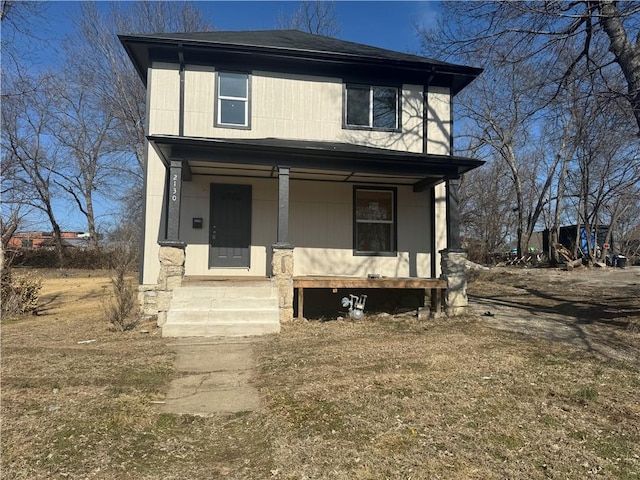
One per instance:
[(433, 286)]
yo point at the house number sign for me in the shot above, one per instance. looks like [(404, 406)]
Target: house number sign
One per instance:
[(174, 188)]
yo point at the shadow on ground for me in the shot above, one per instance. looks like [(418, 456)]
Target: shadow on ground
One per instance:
[(597, 312)]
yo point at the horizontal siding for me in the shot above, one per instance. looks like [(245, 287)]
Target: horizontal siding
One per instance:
[(295, 107), (164, 99), (439, 121), (321, 230), (195, 203), (153, 214)]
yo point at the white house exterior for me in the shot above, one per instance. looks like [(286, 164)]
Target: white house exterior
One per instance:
[(278, 154)]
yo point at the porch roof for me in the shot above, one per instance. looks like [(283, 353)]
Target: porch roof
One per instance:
[(330, 161)]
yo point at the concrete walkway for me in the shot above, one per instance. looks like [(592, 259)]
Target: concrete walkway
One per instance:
[(213, 376)]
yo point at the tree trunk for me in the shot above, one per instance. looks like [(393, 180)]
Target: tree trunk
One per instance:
[(91, 224), (626, 54), (57, 238), (510, 158), (618, 210)]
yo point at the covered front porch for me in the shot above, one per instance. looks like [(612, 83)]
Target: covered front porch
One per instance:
[(294, 180)]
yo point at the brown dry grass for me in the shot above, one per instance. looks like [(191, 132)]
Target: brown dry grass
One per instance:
[(386, 397), (391, 398)]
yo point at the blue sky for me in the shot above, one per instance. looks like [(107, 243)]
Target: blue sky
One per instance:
[(382, 24), (385, 24)]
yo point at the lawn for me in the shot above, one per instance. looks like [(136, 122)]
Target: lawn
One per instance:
[(386, 397)]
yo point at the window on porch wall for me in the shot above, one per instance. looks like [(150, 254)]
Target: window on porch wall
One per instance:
[(375, 221)]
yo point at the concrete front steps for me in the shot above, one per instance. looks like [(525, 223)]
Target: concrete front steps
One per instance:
[(223, 309)]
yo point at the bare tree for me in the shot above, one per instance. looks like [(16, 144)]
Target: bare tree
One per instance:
[(549, 67), (82, 126), (501, 121), (18, 15), (607, 173), (318, 17), (565, 36), (20, 21), (25, 144), (564, 155), (99, 55), (486, 205), (12, 214), (98, 52), (73, 144), (13, 208), (627, 228)]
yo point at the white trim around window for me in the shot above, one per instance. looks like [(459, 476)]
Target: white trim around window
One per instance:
[(233, 100)]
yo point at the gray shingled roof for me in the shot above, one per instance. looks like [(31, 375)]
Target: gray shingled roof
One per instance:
[(293, 50), (293, 40)]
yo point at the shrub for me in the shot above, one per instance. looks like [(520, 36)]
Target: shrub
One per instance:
[(86, 258), (89, 259), (121, 311), (37, 258), (20, 295)]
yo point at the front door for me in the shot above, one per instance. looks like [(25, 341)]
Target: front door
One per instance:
[(230, 226)]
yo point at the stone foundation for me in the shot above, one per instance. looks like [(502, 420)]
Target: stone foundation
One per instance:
[(282, 270), (453, 271), (147, 299), (171, 258)]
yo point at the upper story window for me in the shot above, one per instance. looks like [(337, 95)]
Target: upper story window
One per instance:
[(371, 107), (232, 102), (375, 224)]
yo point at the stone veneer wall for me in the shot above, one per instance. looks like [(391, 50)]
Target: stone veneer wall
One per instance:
[(147, 299), (155, 299), (282, 270), (453, 271)]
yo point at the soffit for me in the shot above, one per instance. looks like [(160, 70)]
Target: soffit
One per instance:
[(308, 160), (321, 175)]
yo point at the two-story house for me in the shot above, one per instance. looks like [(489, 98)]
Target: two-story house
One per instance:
[(281, 160)]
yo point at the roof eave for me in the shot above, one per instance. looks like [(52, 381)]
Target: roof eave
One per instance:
[(463, 74), (127, 42)]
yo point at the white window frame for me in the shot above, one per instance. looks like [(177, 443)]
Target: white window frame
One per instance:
[(245, 100)]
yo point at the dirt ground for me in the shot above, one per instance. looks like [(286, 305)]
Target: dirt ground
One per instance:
[(594, 309)]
